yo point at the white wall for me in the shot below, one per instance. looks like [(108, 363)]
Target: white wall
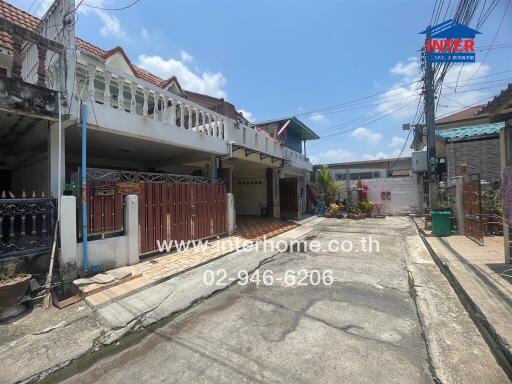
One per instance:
[(250, 190), (106, 253), (404, 193)]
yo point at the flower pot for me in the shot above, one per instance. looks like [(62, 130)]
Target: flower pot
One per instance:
[(12, 290)]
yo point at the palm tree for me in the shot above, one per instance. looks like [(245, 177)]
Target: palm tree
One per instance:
[(327, 184)]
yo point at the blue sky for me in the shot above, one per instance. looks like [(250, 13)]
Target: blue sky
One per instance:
[(273, 58)]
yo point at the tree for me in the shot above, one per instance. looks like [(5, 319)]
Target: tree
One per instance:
[(327, 185)]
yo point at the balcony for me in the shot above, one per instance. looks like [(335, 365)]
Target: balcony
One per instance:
[(128, 105), (137, 108), (30, 94)]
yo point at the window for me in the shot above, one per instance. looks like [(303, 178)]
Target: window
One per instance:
[(360, 175), (339, 176)]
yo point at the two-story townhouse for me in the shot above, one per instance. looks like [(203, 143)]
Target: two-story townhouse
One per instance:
[(180, 152)]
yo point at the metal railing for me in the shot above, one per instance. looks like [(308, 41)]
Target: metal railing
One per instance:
[(26, 226)]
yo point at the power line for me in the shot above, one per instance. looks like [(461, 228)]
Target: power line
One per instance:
[(493, 39), (106, 9)]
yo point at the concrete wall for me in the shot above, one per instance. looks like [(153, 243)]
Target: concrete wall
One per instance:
[(105, 253), (481, 156), (405, 193)]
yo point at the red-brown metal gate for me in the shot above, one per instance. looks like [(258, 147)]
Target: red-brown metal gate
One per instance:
[(472, 208), (171, 207), (104, 208), (180, 212), (288, 196)]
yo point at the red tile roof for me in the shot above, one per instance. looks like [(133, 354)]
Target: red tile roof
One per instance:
[(466, 114), (17, 16)]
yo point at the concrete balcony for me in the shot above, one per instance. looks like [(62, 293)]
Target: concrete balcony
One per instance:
[(126, 105), (297, 160)]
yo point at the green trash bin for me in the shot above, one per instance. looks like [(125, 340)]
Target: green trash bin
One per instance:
[(441, 223)]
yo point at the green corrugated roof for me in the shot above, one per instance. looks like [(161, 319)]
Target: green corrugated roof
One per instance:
[(470, 131)]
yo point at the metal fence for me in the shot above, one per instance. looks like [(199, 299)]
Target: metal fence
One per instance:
[(27, 226)]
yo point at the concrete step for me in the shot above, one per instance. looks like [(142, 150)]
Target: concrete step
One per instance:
[(91, 289), (117, 292)]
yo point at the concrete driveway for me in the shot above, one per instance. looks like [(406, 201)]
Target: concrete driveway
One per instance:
[(363, 328)]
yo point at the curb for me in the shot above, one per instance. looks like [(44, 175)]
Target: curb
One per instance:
[(110, 337), (496, 343)]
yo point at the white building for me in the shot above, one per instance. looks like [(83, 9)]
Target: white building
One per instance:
[(179, 151)]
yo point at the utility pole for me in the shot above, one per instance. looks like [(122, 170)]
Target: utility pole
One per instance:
[(431, 128)]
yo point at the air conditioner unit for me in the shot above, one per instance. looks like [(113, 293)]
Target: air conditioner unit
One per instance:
[(419, 162)]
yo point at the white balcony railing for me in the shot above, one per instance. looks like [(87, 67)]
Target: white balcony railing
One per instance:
[(116, 89), (119, 90)]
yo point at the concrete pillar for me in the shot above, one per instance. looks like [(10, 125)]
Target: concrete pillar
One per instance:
[(53, 147), (131, 220), (505, 159), (459, 203), (231, 213), (278, 174), (212, 169), (68, 243)]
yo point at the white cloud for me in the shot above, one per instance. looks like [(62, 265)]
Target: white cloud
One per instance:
[(465, 94), (111, 24), (408, 69), (205, 82), (396, 141), (319, 118), (363, 133), (248, 115), (144, 33), (390, 155), (186, 57), (393, 102), (332, 156)]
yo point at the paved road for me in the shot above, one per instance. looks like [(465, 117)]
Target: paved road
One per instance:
[(364, 328)]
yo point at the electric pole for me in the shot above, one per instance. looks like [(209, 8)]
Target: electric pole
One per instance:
[(431, 127)]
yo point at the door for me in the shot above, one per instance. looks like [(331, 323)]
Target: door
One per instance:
[(288, 198)]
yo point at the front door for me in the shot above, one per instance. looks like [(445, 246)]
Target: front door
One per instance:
[(289, 198)]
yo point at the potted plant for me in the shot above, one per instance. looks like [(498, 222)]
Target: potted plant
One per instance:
[(366, 207), (13, 286), (69, 189)]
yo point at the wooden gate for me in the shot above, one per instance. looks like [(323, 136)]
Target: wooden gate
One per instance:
[(171, 207), (180, 212), (472, 208), (288, 199)]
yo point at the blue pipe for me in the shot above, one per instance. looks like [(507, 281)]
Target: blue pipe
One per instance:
[(85, 257)]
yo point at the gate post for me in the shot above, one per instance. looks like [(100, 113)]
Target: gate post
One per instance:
[(131, 219), (68, 256), (230, 202), (459, 206)]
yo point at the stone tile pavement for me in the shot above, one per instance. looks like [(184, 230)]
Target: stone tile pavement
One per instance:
[(163, 266)]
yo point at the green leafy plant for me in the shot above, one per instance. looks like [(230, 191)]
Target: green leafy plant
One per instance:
[(365, 205), (491, 201), (327, 185), (7, 271)]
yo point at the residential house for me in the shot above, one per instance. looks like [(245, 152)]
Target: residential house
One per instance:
[(33, 96), (178, 151), (467, 138)]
